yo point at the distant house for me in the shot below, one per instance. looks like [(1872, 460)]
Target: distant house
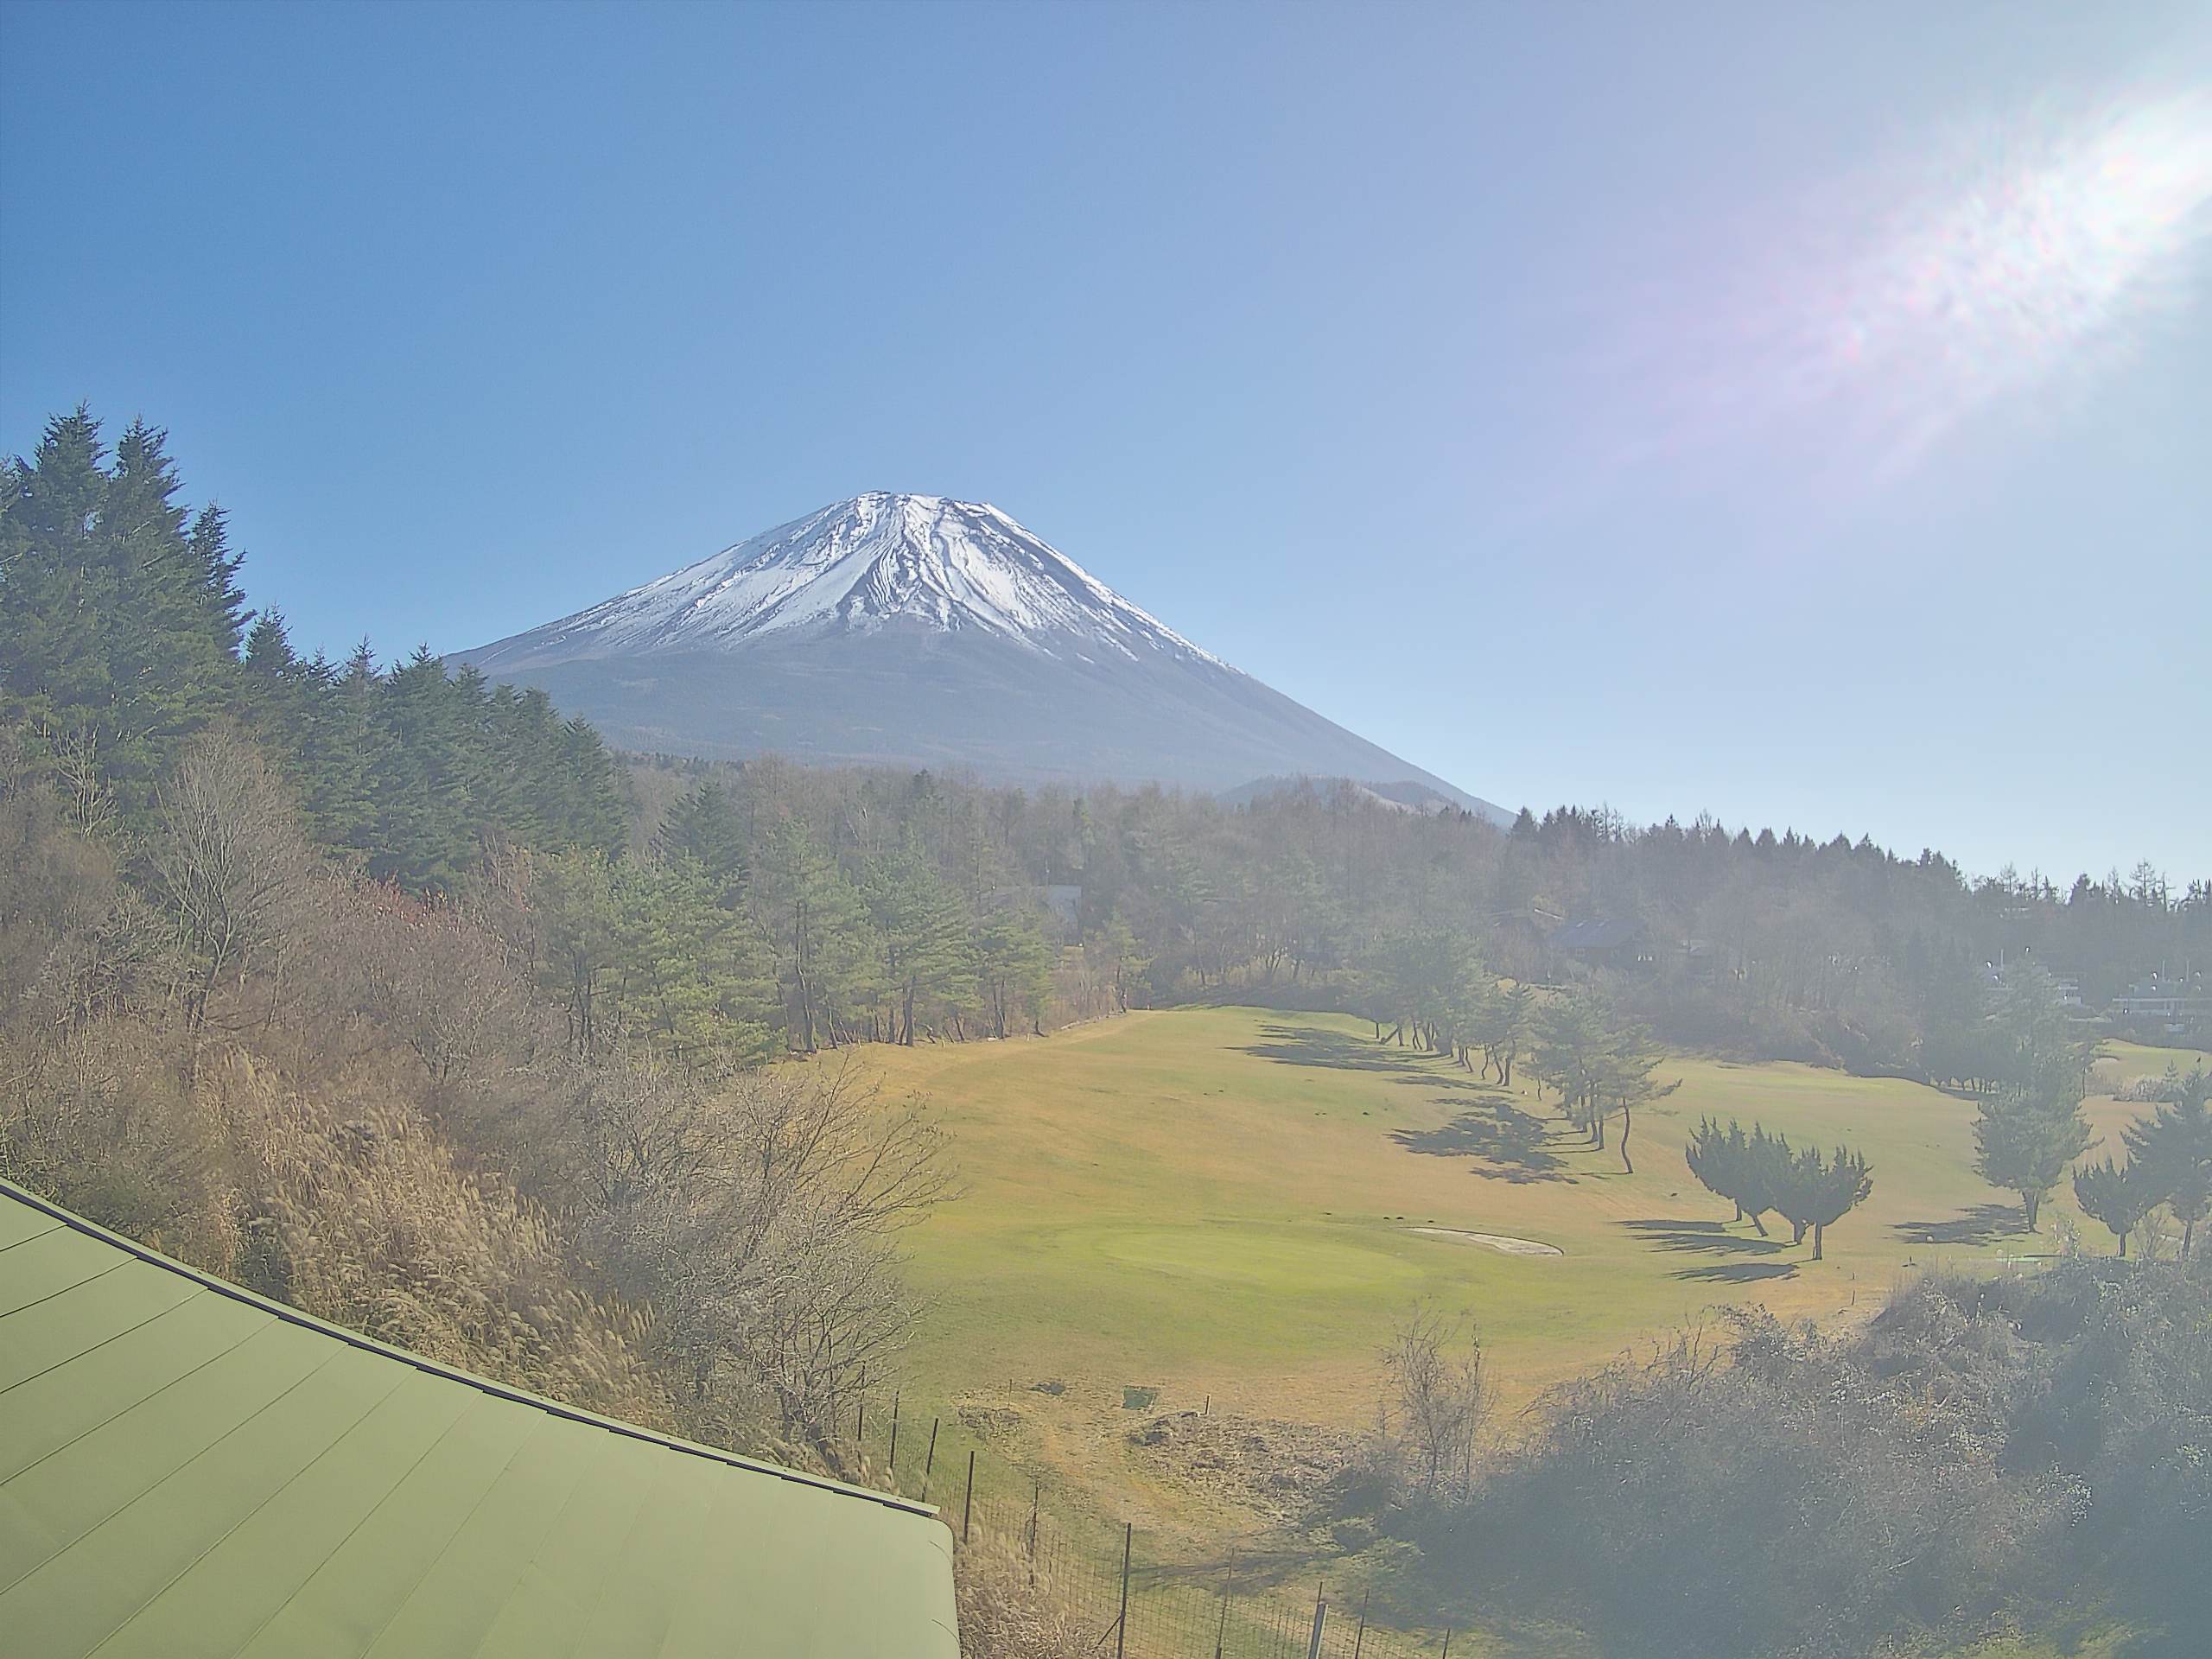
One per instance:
[(1702, 959), (1600, 943), (2174, 1005)]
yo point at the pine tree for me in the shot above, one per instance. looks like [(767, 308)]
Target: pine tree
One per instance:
[(703, 825), (170, 658), (2031, 1131), (817, 925), (2119, 1195), (1716, 1157), (55, 591), (2025, 1139), (1625, 1080), (1816, 1193), (1569, 1051), (2174, 1148), (1015, 964), (922, 926), (104, 640), (1765, 1163), (693, 979), (214, 572), (572, 903)]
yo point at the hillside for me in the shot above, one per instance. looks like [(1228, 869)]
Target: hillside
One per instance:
[(1224, 1203), (917, 631)]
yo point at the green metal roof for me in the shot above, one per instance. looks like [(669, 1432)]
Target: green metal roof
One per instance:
[(187, 1469)]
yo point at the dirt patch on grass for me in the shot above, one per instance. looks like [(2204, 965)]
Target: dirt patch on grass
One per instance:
[(1503, 1243), (1277, 1470)]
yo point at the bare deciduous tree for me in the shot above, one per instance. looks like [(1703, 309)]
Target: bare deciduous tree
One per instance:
[(228, 860), (1440, 1395), (757, 1221)]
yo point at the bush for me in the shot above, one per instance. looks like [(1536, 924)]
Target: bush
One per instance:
[(1979, 1453)]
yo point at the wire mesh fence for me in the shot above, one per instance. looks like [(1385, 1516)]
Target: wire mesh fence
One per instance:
[(1123, 1592)]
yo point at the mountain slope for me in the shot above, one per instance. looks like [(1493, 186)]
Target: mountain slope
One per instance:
[(913, 630)]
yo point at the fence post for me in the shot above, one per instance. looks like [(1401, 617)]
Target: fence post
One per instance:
[(1320, 1619), (1447, 1642), (1121, 1620), (1359, 1640), (860, 1425), (894, 1433), (930, 1462), (1033, 1498), (1228, 1588), (968, 1504)]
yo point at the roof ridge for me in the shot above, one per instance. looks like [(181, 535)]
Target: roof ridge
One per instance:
[(439, 1368)]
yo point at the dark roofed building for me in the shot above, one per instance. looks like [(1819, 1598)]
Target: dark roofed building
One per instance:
[(1598, 942)]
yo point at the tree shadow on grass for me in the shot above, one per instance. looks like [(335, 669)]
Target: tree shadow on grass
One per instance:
[(1258, 1563), (1703, 1237), (1738, 1273), (1514, 1144), (1344, 1051), (1338, 1051), (1983, 1224)]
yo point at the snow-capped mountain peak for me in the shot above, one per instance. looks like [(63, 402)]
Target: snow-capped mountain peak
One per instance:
[(913, 631), (878, 560)]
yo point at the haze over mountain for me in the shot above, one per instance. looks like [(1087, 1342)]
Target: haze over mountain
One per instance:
[(915, 630)]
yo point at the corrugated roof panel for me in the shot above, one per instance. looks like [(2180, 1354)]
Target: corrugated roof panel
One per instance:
[(187, 1470)]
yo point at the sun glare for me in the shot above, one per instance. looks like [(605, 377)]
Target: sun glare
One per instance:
[(2039, 253), (2004, 265)]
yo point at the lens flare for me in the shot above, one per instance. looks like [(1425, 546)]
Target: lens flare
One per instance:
[(2005, 265), (2042, 257)]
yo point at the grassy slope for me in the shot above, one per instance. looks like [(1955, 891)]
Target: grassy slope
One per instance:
[(1217, 1201)]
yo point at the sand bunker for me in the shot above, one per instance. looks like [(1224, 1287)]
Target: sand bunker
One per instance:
[(1491, 1241)]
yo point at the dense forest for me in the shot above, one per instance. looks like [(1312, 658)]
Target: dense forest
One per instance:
[(388, 991), (739, 911)]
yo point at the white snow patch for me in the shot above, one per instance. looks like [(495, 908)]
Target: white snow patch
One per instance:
[(863, 564)]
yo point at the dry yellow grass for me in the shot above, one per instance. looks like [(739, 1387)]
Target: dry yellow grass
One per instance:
[(1221, 1202)]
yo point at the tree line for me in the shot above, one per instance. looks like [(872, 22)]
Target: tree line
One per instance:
[(756, 909)]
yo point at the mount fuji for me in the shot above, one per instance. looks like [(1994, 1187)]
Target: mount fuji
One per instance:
[(911, 630)]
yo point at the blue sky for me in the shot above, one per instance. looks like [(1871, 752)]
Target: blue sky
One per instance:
[(1801, 414)]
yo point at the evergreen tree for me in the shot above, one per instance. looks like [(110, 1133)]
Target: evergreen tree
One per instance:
[(817, 925), (2174, 1149), (1716, 1157), (922, 927), (1624, 1079), (1816, 1193), (1765, 1160), (1014, 962), (217, 598), (573, 904), (2119, 1195), (1569, 1051), (104, 640), (703, 825), (2030, 1132), (1753, 1172), (692, 976)]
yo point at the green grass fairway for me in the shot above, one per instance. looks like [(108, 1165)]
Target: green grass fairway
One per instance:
[(1220, 1202)]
